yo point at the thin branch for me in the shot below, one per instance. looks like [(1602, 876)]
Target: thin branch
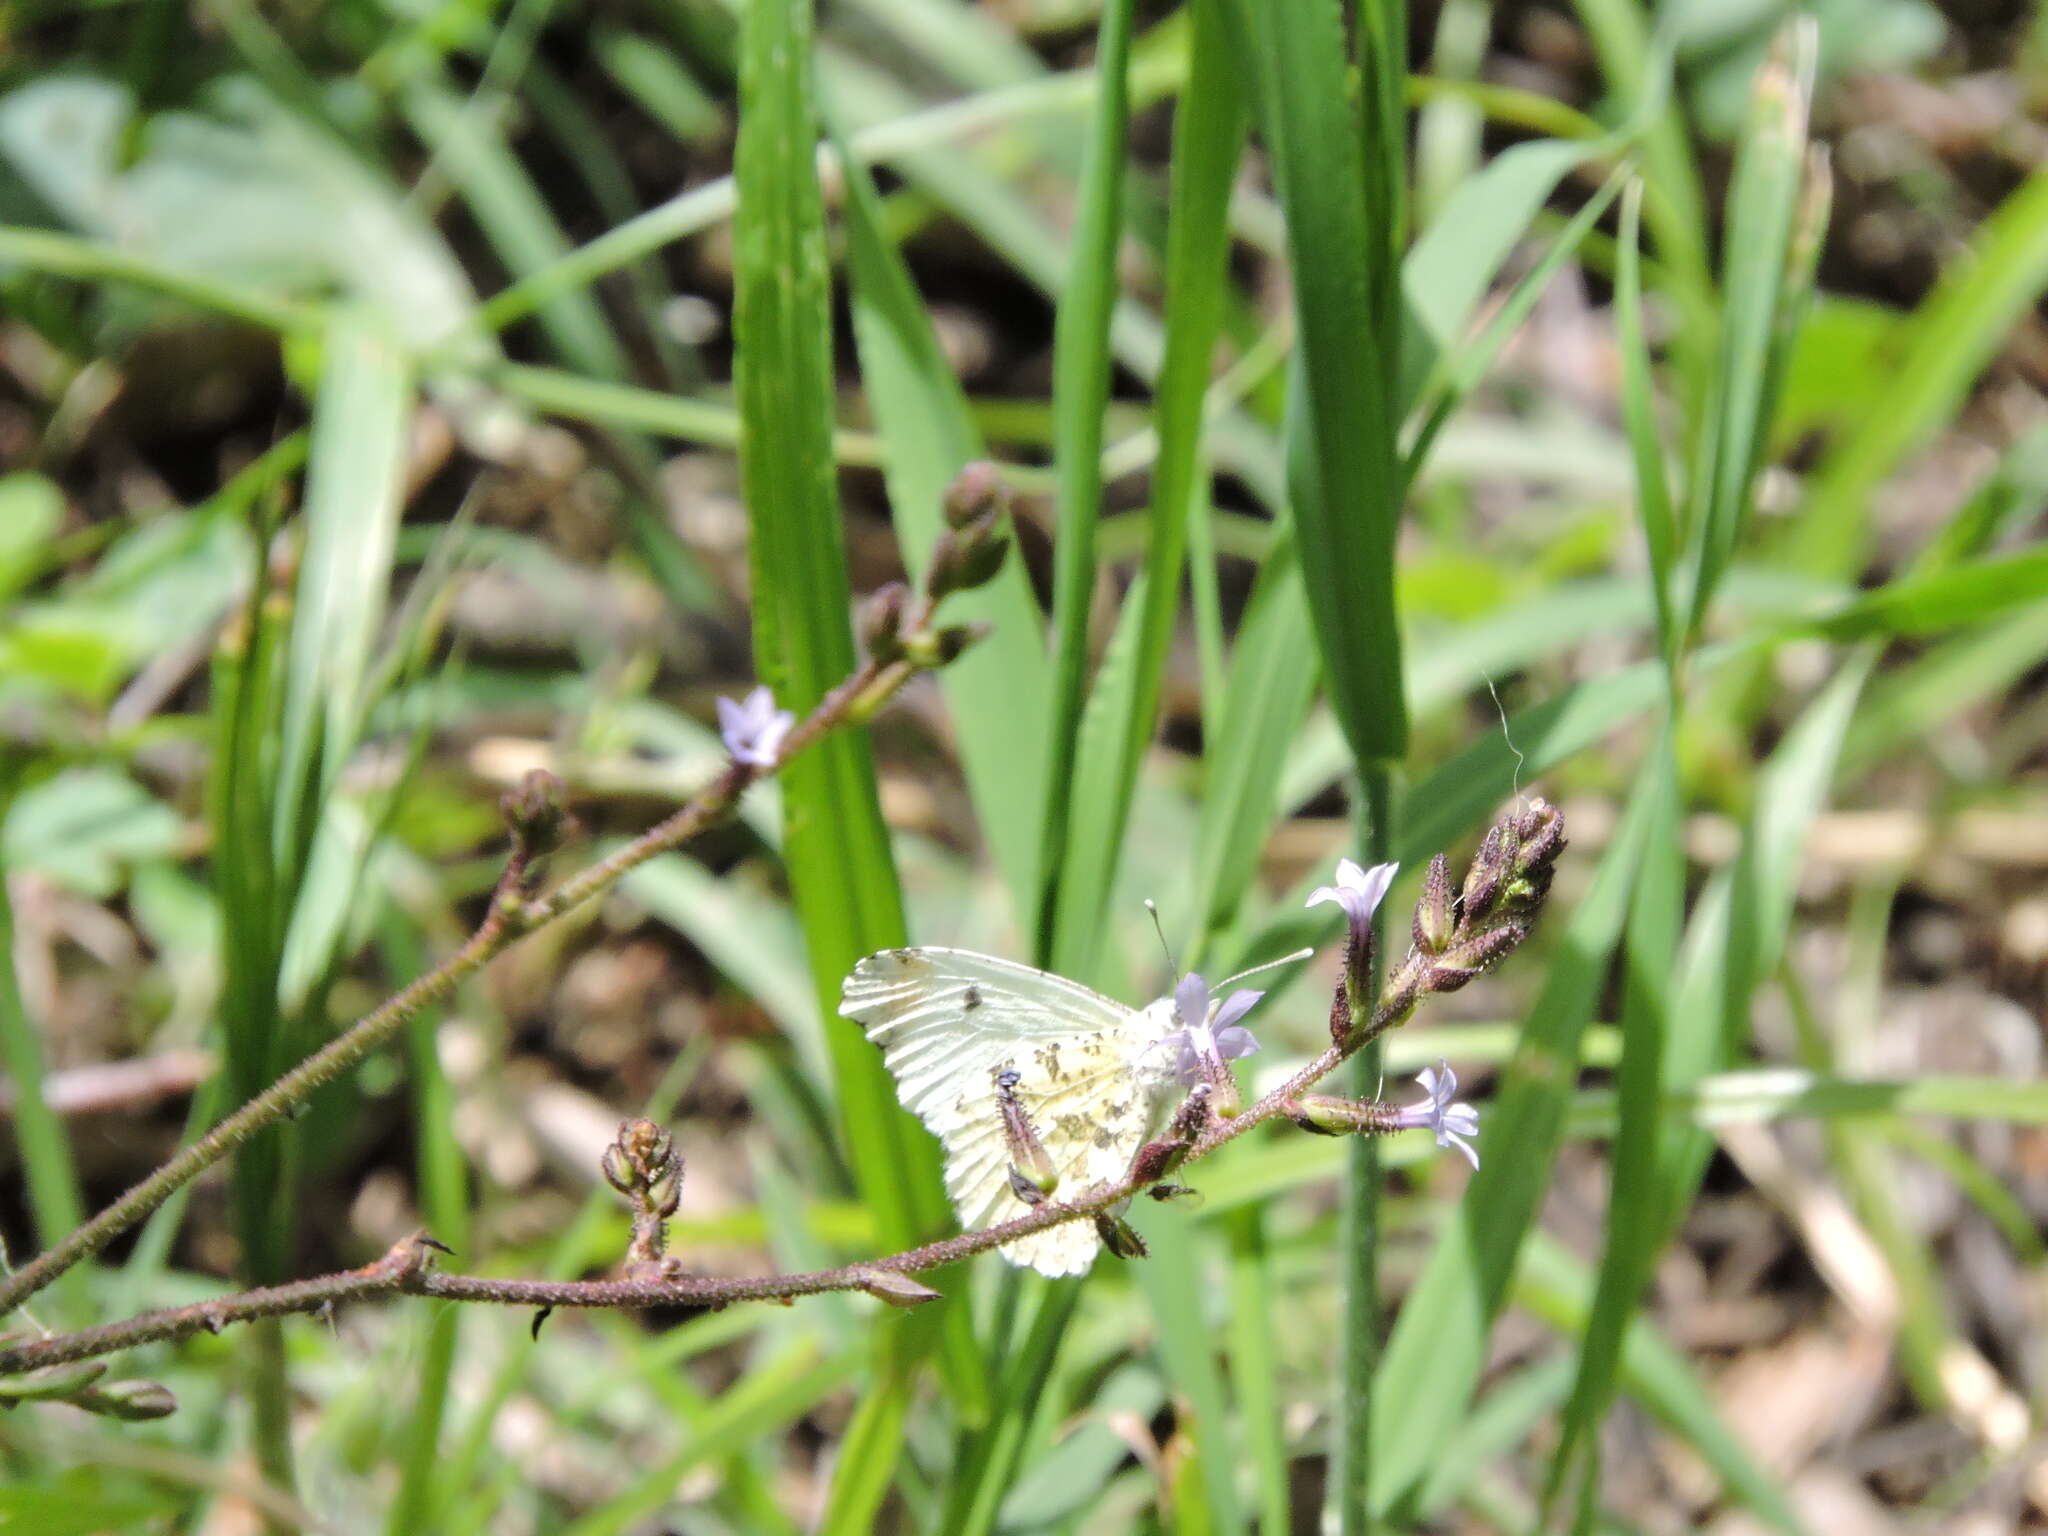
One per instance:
[(405, 1268), (511, 916)]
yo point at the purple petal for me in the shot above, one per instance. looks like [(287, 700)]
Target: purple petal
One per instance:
[(1191, 999), (1370, 885), (1233, 1041), (1235, 1007), (1189, 1068)]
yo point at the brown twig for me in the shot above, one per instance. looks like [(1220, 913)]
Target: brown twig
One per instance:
[(405, 1269), (511, 915)]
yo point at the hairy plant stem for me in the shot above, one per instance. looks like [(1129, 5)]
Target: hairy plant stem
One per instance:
[(512, 915), (406, 1270)]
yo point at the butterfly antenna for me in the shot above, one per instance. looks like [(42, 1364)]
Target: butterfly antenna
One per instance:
[(1172, 964), (1270, 965)]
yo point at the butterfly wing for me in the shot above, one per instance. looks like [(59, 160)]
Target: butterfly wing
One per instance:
[(949, 1020)]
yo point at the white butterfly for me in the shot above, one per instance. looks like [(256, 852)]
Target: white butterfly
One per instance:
[(1092, 1075)]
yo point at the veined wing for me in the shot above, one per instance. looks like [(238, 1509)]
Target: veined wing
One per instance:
[(949, 1021)]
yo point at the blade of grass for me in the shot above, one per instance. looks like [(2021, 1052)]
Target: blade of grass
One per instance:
[(1438, 1347), (1267, 693), (1344, 229), (1080, 394), (1654, 507), (1553, 1285), (1763, 203), (836, 848), (1953, 335), (1209, 131), (1255, 1366), (39, 1135), (1656, 913), (997, 693)]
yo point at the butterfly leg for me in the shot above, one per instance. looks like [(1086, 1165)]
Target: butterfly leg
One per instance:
[(1032, 1175)]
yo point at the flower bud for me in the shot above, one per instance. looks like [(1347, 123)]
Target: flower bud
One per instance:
[(1435, 919), (881, 623), (134, 1400), (1156, 1159), (894, 1287), (976, 493), (951, 643), (1540, 834), (964, 559), (1473, 957), (535, 812), (1491, 866)]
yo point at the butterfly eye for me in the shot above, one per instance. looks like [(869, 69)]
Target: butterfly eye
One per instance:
[(1007, 1079)]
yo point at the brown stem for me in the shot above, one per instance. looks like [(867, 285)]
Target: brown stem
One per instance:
[(405, 1270), (511, 916)]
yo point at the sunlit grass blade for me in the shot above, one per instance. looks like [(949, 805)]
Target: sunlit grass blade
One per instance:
[(1438, 1347), (1553, 1285), (1468, 364), (1080, 393), (1763, 206), (1956, 331), (1175, 1282), (1267, 693), (1654, 508), (1209, 131), (837, 849), (40, 1138), (999, 692), (1342, 201), (1635, 1204)]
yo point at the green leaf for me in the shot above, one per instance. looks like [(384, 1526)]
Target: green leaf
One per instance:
[(998, 693), (85, 828), (836, 846), (1080, 396), (1337, 168)]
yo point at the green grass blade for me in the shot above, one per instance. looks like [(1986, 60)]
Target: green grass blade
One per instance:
[(998, 693), (1255, 1366), (836, 848), (1343, 224), (1466, 367), (1209, 132), (1554, 1286), (1438, 1347), (1654, 507), (1763, 203), (1175, 1284), (1953, 335), (1267, 693), (40, 1139), (1080, 395), (1635, 1206), (515, 217)]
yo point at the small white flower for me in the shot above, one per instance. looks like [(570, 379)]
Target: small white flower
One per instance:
[(1453, 1124), (753, 728), (1358, 891)]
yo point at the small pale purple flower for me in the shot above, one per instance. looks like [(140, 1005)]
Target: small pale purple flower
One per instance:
[(1453, 1124), (1205, 1040), (753, 728), (1358, 891)]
